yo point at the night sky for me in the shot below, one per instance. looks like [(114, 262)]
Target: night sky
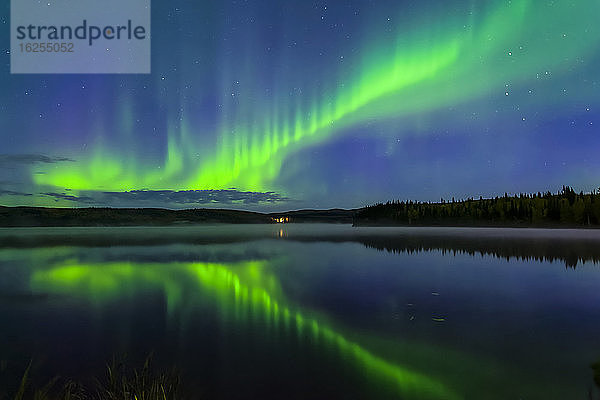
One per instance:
[(285, 104)]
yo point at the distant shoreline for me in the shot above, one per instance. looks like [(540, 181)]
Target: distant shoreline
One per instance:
[(565, 209), (12, 217), (37, 217)]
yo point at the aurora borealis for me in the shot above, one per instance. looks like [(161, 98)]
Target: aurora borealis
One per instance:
[(282, 104)]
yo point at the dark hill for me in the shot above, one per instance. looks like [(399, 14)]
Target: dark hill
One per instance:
[(40, 216)]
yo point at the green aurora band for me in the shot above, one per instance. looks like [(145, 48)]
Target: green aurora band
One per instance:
[(451, 61), (244, 296)]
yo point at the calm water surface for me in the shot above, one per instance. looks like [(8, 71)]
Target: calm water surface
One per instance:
[(309, 311)]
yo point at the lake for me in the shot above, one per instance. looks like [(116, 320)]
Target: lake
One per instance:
[(308, 311)]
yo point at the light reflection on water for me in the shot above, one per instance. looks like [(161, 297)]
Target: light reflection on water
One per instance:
[(245, 302), (409, 325)]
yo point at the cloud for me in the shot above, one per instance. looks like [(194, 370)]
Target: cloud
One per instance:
[(63, 196), (31, 159), (163, 198), (191, 197), (4, 192)]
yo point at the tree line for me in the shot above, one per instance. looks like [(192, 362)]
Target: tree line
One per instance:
[(565, 208)]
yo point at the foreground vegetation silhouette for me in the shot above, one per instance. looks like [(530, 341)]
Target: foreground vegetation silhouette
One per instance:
[(596, 369), (563, 209), (120, 383)]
